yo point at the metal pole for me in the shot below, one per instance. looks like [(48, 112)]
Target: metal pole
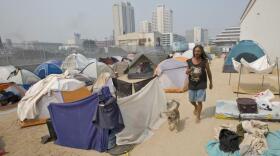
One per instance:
[(278, 76), (262, 81), (229, 78), (240, 72)]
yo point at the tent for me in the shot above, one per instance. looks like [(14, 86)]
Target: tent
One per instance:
[(34, 104), (93, 71), (47, 68), (172, 75), (56, 62), (144, 64), (21, 77), (75, 62), (246, 49)]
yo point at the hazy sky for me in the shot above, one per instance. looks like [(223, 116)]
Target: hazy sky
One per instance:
[(57, 20)]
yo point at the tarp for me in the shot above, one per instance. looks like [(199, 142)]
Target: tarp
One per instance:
[(172, 75), (259, 66), (142, 113), (46, 69), (273, 140), (28, 106), (226, 109), (85, 124), (73, 125)]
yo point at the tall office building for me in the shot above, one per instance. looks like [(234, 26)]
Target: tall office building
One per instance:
[(123, 16), (146, 26), (162, 19), (197, 35)]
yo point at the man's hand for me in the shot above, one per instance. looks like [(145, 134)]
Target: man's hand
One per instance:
[(211, 85)]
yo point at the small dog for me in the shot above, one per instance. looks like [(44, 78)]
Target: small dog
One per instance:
[(173, 115)]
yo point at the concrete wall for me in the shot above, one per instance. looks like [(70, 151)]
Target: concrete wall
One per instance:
[(262, 24)]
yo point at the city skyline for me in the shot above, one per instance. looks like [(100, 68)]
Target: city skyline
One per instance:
[(53, 21)]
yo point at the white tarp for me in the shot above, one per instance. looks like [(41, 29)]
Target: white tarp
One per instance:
[(28, 107), (260, 66), (172, 74), (75, 62), (188, 54), (142, 113)]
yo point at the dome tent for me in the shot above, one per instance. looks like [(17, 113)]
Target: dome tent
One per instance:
[(75, 62), (246, 49), (21, 77), (172, 75), (93, 71), (47, 68), (56, 62)]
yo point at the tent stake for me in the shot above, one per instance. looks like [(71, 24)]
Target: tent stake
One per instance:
[(240, 72), (278, 76)]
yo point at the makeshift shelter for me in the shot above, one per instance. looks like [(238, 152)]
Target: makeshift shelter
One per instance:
[(259, 66), (188, 54), (75, 62), (34, 104), (82, 125), (21, 77), (143, 65), (172, 75), (47, 68), (246, 49), (93, 70)]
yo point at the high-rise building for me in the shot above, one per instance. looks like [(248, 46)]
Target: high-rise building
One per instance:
[(200, 35), (189, 36), (145, 26), (162, 19), (123, 16), (197, 35), (1, 44)]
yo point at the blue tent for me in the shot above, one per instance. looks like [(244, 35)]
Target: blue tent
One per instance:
[(47, 68), (247, 49), (56, 62)]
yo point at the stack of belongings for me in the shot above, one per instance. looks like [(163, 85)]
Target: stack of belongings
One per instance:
[(10, 93), (249, 138)]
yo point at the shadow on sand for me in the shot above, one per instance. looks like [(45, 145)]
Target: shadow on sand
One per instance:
[(182, 124), (208, 112)]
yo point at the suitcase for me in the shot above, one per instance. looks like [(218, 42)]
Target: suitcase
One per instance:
[(247, 105)]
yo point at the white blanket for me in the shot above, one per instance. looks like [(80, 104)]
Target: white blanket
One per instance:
[(142, 113), (27, 107)]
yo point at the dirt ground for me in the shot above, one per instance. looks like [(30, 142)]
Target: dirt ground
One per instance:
[(190, 140)]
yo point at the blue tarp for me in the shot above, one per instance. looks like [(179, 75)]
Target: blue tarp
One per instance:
[(74, 127), (46, 69), (247, 49), (273, 140)]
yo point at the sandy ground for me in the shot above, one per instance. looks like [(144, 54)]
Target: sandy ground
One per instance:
[(190, 140)]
